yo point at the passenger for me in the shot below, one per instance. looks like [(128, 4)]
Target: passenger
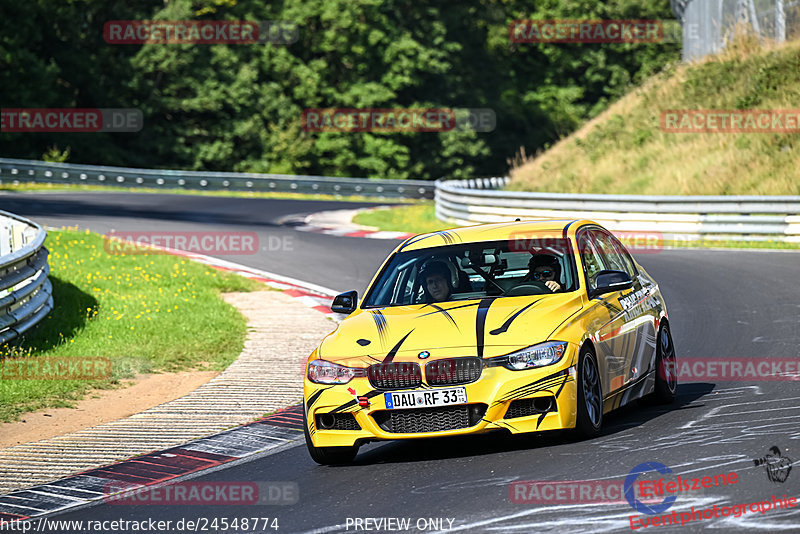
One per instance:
[(435, 277), (545, 268)]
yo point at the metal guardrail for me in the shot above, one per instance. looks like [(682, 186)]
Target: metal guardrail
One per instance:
[(21, 170), (26, 295), (708, 24), (735, 218)]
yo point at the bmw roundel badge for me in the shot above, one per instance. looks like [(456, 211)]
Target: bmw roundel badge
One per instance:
[(424, 354)]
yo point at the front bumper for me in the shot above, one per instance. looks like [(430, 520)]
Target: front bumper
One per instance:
[(499, 399)]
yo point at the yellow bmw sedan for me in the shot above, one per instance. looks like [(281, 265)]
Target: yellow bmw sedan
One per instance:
[(520, 327)]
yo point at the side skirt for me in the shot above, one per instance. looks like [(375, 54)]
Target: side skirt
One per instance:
[(642, 386)]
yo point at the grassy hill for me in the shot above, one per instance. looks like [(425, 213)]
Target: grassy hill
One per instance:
[(625, 151)]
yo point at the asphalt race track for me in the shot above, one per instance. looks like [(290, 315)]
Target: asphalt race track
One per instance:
[(721, 304), (311, 257)]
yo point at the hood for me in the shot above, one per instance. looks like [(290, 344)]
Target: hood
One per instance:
[(482, 327)]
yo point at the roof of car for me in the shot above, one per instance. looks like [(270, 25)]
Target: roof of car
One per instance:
[(550, 228)]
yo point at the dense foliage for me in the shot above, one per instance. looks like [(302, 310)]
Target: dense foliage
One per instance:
[(238, 107)]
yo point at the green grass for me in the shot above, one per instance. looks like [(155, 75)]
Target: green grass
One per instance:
[(146, 313), (23, 187), (421, 218), (418, 218), (625, 151)]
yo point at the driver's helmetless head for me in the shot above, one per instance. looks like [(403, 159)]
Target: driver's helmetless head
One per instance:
[(544, 273), (437, 286), (544, 267), (434, 276)]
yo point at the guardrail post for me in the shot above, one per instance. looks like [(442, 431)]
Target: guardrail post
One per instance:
[(780, 22), (5, 237)]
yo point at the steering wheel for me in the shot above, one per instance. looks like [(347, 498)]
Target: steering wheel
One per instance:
[(530, 287)]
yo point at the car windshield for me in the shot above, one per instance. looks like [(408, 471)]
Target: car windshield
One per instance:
[(474, 270)]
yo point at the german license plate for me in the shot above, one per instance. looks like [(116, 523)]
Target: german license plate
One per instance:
[(425, 399)]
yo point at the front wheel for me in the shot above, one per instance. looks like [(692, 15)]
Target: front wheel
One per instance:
[(328, 455), (590, 396)]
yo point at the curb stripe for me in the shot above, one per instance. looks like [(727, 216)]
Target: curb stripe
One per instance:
[(270, 432), (344, 232), (94, 485)]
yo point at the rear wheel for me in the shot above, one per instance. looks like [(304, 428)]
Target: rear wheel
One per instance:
[(590, 396), (666, 368), (328, 455)]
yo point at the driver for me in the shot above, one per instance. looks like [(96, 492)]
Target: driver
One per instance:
[(435, 277), (545, 268)]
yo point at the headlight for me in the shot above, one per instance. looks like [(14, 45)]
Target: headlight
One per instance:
[(535, 356), (325, 372)]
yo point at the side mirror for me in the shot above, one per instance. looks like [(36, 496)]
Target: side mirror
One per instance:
[(345, 302), (610, 281)]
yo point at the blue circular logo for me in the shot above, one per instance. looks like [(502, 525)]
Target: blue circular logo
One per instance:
[(424, 354), (638, 505)]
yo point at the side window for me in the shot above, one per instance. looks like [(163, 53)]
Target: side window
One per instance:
[(613, 253), (406, 288), (409, 284), (612, 258), (401, 293), (591, 257), (630, 267)]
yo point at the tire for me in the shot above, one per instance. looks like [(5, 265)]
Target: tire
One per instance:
[(666, 368), (590, 396), (328, 455)]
